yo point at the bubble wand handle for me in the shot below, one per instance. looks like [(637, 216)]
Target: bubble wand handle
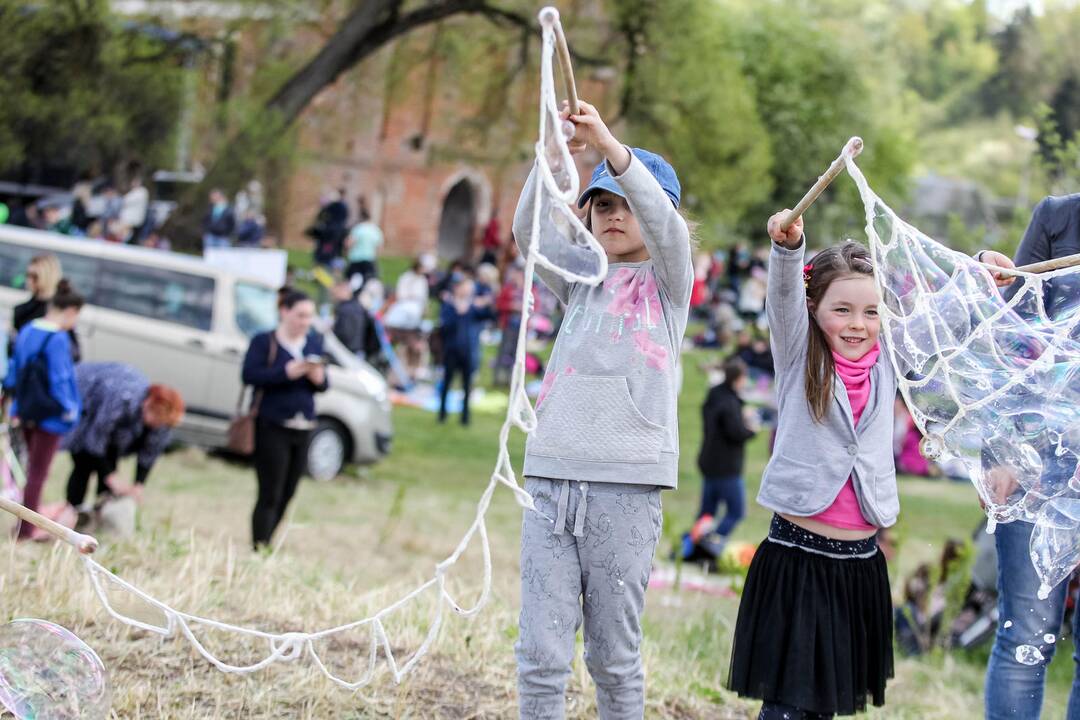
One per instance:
[(85, 544), (853, 147), (549, 16), (1065, 261)]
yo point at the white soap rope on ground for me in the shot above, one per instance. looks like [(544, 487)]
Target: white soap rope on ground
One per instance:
[(558, 186)]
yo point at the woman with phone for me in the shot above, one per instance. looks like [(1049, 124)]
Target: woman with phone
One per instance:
[(286, 368)]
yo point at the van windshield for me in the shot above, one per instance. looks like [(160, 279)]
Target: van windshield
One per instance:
[(256, 308)]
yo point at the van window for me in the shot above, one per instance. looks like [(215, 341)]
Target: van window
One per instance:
[(13, 261), (256, 308), (156, 293), (80, 270)]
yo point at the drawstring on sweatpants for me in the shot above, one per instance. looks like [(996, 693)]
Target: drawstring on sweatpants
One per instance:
[(560, 517), (583, 506), (579, 516)]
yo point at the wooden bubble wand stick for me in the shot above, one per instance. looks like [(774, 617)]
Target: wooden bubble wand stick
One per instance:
[(852, 148)]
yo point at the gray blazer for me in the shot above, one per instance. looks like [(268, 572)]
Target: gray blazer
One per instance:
[(811, 461)]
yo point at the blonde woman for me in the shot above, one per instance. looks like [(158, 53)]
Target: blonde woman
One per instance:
[(42, 277)]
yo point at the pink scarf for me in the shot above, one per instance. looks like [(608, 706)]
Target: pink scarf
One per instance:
[(856, 377), (844, 511)]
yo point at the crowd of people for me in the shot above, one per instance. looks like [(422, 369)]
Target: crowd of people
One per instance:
[(124, 213), (99, 412), (814, 633)]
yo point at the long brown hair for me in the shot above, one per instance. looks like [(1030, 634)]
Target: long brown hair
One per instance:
[(849, 258)]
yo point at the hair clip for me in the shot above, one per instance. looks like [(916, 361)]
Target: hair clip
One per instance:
[(807, 271)]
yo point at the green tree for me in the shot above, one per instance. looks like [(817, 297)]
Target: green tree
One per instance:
[(812, 93), (80, 91), (948, 53), (1015, 83), (688, 99)]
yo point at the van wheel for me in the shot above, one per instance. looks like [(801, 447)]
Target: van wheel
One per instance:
[(327, 451)]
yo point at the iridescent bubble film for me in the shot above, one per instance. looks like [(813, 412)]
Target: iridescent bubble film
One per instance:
[(47, 673), (991, 377)]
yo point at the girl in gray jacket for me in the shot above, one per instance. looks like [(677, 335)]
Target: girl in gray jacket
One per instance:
[(606, 440), (814, 633)]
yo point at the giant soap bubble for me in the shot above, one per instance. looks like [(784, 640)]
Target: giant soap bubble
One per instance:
[(46, 673), (991, 377)]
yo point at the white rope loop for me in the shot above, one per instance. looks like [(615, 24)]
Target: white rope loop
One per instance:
[(554, 191)]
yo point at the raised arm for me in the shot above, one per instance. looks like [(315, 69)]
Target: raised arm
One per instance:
[(785, 301), (523, 217), (663, 229)]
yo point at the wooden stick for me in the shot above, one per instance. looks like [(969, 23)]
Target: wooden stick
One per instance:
[(853, 147), (550, 17), (83, 543), (1039, 267)]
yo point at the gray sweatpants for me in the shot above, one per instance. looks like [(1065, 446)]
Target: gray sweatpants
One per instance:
[(590, 558)]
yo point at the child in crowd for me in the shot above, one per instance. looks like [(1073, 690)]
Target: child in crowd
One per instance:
[(606, 440), (818, 589), (462, 318), (814, 632)]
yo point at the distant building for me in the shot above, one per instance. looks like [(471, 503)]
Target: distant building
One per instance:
[(398, 146)]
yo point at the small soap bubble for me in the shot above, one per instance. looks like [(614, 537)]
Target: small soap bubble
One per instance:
[(1049, 638), (47, 673), (1028, 655), (1008, 624)]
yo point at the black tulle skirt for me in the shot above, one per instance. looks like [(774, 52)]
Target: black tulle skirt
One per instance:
[(815, 623)]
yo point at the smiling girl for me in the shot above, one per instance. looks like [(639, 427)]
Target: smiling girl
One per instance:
[(814, 633)]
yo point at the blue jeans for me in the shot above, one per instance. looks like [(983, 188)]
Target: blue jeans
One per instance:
[(727, 490), (1014, 691)]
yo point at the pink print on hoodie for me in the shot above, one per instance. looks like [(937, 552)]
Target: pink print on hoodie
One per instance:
[(636, 295)]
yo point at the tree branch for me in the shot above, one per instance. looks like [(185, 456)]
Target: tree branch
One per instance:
[(509, 17)]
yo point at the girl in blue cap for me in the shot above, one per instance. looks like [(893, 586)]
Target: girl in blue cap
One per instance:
[(606, 442)]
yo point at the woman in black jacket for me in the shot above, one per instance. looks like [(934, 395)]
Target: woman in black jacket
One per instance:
[(723, 449), (43, 275), (286, 369)]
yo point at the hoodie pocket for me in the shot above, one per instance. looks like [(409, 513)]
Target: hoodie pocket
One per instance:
[(594, 419)]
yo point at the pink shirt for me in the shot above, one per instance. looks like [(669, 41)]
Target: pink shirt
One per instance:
[(844, 511)]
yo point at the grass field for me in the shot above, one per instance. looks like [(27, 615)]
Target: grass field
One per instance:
[(353, 545)]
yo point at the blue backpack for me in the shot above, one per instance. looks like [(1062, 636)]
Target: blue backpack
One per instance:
[(33, 391)]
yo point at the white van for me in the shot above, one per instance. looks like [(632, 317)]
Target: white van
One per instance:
[(187, 324)]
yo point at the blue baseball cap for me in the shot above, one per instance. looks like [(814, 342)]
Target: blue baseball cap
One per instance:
[(659, 167)]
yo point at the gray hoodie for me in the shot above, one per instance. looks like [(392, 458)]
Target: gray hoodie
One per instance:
[(607, 409)]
